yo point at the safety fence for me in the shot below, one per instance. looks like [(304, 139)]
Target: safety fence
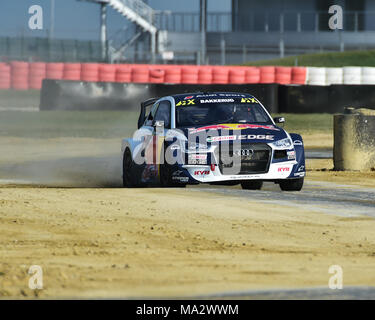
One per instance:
[(20, 75)]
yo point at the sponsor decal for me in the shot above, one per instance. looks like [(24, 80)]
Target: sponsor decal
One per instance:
[(213, 166), (233, 126), (185, 103), (201, 172), (198, 156), (216, 100), (188, 97), (221, 138), (177, 173), (283, 169), (249, 100), (301, 168), (299, 174), (241, 137), (181, 179)]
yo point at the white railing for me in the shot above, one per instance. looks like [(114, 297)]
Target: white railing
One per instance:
[(140, 8)]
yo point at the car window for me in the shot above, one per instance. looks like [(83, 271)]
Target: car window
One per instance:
[(151, 115), (163, 113)]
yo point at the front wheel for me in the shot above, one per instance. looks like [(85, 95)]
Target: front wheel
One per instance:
[(252, 184), (291, 184)]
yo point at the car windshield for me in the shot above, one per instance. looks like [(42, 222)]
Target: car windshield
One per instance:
[(217, 113)]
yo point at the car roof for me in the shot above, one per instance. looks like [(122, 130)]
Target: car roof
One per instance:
[(182, 96)]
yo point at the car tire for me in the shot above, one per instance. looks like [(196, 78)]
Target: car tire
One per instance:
[(291, 184), (127, 168), (252, 184)]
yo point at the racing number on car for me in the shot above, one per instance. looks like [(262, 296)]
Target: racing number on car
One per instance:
[(249, 100), (185, 102)]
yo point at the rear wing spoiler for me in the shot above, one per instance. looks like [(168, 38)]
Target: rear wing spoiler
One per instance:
[(144, 105)]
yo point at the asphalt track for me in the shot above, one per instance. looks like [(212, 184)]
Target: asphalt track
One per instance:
[(318, 196), (346, 293)]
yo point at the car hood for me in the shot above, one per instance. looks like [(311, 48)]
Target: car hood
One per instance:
[(238, 131)]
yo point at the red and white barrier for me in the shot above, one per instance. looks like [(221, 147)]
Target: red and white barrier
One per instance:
[(21, 75)]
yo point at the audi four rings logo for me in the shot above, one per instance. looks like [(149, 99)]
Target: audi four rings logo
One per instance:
[(244, 152)]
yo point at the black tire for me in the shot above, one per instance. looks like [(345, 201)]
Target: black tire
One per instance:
[(165, 177), (252, 184), (291, 184), (127, 170)]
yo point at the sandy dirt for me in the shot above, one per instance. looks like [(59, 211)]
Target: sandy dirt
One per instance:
[(103, 241), (167, 243), (322, 170)]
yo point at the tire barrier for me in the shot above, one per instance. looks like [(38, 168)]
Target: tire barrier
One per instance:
[(267, 74), (368, 75), (205, 75), (237, 76), (55, 71), (354, 143), (5, 75), (123, 73), (24, 75), (334, 76), (220, 75), (157, 75), (107, 73), (72, 71), (140, 74), (316, 76), (299, 75), (352, 75), (19, 75), (252, 75), (189, 75), (283, 75), (37, 72), (90, 72), (172, 75)]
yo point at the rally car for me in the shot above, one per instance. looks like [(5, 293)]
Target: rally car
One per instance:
[(217, 138)]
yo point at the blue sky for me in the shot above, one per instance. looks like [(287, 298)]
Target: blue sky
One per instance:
[(79, 19)]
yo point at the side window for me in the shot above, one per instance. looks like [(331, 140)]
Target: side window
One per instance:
[(151, 114), (163, 113)]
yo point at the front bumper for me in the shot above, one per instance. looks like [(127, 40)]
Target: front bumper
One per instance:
[(277, 171)]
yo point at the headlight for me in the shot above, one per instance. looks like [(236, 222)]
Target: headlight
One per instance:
[(283, 144)]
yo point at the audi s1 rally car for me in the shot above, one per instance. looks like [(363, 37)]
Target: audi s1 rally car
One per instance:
[(217, 138)]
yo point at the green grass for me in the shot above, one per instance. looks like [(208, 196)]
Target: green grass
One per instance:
[(116, 124), (332, 59), (54, 124), (307, 123), (19, 99)]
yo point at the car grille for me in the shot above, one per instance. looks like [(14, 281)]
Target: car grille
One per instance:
[(252, 158)]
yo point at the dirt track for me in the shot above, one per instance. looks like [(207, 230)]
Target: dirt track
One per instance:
[(164, 242)]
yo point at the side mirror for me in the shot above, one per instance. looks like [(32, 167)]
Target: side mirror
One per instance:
[(279, 120)]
